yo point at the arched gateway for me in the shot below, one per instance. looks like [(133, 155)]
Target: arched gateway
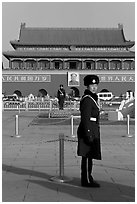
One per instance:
[(44, 57)]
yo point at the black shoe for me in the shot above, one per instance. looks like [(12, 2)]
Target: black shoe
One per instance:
[(86, 184), (90, 178), (94, 184)]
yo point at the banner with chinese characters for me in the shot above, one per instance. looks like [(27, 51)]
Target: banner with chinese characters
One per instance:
[(73, 78), (26, 78), (117, 78)]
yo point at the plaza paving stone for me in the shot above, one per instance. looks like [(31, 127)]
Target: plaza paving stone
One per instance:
[(29, 163)]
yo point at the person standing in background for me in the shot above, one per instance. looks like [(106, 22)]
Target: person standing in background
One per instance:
[(88, 132), (61, 95)]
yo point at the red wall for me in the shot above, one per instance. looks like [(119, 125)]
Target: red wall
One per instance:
[(33, 87)]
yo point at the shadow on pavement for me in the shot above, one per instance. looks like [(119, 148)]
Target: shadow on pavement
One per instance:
[(108, 192)]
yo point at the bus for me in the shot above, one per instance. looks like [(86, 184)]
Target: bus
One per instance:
[(105, 96)]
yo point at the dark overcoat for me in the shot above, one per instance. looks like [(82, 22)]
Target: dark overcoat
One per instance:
[(89, 130), (61, 94)]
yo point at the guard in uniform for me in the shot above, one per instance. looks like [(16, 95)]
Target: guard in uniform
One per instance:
[(61, 96), (89, 131)]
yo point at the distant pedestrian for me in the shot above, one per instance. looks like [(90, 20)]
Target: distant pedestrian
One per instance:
[(89, 131), (61, 95)]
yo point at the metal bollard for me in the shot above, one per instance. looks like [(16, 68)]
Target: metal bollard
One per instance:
[(128, 124), (61, 155), (61, 178), (17, 126)]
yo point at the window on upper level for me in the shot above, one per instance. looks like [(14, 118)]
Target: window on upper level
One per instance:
[(115, 64), (90, 65), (128, 64), (57, 64), (30, 64), (16, 64), (43, 64), (102, 64)]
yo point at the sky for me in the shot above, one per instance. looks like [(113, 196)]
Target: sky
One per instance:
[(65, 14)]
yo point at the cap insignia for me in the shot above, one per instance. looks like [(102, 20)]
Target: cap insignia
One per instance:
[(93, 80)]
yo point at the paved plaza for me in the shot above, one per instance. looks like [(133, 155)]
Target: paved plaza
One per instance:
[(30, 161)]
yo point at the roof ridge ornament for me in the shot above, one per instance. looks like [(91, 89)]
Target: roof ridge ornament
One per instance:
[(23, 25), (120, 26)]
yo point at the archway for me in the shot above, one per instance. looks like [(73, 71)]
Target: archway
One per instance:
[(42, 93), (18, 93), (75, 92)]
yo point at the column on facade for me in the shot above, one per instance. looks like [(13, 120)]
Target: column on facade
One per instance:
[(23, 64), (122, 64), (48, 61), (66, 64), (10, 64), (133, 64), (109, 64), (36, 64), (95, 63), (50, 64), (63, 64), (83, 64), (79, 64)]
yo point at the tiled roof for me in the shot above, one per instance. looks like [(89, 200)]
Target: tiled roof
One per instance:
[(45, 54), (72, 36)]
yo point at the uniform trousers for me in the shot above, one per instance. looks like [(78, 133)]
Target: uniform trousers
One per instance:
[(86, 169), (61, 103)]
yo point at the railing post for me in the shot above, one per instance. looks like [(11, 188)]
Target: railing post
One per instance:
[(26, 105), (75, 105), (2, 105), (72, 125), (18, 105), (50, 105)]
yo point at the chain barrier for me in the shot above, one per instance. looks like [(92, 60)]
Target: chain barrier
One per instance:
[(72, 117)]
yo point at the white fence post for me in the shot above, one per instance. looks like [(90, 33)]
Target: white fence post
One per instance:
[(128, 125), (50, 105), (72, 125)]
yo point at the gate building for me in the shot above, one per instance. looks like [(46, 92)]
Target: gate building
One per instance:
[(44, 58)]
